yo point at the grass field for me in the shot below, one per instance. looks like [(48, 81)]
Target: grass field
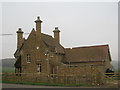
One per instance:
[(8, 70)]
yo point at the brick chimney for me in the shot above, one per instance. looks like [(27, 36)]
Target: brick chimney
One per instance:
[(19, 37), (56, 35), (38, 27)]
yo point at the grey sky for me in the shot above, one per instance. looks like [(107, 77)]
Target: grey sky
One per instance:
[(81, 23)]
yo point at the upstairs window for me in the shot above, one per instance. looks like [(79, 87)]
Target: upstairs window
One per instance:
[(51, 54), (39, 68), (28, 59)]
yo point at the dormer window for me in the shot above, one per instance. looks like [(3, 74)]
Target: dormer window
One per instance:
[(28, 59)]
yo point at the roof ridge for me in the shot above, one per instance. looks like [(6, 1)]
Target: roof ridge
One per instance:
[(46, 34), (88, 46)]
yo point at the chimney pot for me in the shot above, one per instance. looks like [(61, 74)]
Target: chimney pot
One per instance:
[(19, 30), (38, 20), (38, 17), (56, 28)]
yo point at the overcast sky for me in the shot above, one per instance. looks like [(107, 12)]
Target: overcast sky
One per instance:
[(80, 23)]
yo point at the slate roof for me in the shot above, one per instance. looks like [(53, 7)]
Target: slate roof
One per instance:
[(18, 49), (47, 39), (18, 63), (85, 54)]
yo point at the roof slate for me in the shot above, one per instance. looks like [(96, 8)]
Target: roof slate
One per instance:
[(51, 43), (90, 53), (18, 63)]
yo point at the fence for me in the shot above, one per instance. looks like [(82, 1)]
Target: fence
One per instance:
[(53, 78), (113, 76)]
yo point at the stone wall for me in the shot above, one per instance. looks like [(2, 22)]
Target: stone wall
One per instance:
[(64, 79), (68, 74)]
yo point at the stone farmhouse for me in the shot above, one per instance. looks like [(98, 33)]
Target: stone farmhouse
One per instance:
[(43, 55)]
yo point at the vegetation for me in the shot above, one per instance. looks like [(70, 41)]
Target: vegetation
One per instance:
[(46, 84), (8, 70), (8, 65)]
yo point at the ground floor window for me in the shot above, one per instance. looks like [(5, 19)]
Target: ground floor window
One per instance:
[(39, 68), (53, 69)]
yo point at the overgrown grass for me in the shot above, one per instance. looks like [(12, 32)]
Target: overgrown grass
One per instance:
[(47, 84)]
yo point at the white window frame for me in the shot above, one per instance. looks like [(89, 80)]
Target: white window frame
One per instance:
[(39, 68), (28, 58)]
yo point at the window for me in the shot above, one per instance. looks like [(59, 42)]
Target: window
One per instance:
[(28, 58), (51, 54), (39, 68), (53, 69)]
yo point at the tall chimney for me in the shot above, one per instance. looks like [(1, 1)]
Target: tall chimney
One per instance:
[(38, 27), (56, 35), (19, 37)]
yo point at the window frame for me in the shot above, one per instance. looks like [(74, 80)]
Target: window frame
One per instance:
[(28, 58), (39, 68)]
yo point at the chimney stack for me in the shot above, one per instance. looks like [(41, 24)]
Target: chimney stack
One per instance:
[(56, 35), (19, 37), (38, 27)]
